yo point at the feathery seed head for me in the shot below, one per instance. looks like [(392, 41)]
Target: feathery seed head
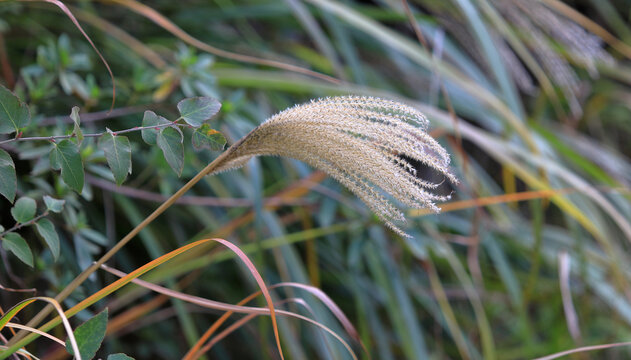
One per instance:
[(367, 144)]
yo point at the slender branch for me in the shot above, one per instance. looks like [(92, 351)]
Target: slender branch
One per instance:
[(98, 115), (59, 137), (70, 288), (187, 200), (21, 225)]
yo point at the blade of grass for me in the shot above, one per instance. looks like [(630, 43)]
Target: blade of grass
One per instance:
[(492, 56), (122, 282), (62, 316), (568, 306), (583, 349), (119, 34), (317, 35), (169, 26), (194, 352), (155, 249), (239, 323), (239, 308), (423, 58), (447, 310), (319, 294), (119, 245), (30, 329), (525, 55), (486, 334), (399, 306)]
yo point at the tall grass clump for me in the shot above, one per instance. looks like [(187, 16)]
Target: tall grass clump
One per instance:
[(311, 244)]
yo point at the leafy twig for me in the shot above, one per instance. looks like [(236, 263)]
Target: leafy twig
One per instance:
[(28, 223), (58, 137)]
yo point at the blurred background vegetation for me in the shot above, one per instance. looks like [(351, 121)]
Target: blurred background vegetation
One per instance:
[(532, 98)]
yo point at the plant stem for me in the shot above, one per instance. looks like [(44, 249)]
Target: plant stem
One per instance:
[(21, 225), (58, 137), (87, 272)]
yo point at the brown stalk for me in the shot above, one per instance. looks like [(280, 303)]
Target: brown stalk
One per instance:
[(95, 266)]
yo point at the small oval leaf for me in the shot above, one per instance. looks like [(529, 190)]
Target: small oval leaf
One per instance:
[(66, 156), (195, 111), (14, 114), (151, 119), (47, 231), (118, 154), (207, 137), (24, 209), (54, 205), (90, 335), (8, 178), (170, 141), (14, 243)]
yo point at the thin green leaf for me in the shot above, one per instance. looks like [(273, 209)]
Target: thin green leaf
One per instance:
[(491, 52), (24, 209), (14, 114), (170, 141), (8, 178), (195, 111), (66, 156), (118, 154), (151, 119), (74, 115), (54, 205), (14, 311), (47, 230), (119, 356), (90, 335), (16, 244), (207, 137)]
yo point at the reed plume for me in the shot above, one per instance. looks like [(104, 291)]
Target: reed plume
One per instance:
[(367, 144), (544, 27), (364, 143)]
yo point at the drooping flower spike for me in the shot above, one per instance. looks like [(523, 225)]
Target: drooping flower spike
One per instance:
[(365, 143)]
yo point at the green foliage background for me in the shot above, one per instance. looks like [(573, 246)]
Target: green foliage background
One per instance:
[(480, 280)]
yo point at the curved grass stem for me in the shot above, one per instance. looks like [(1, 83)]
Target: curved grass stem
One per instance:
[(95, 266)]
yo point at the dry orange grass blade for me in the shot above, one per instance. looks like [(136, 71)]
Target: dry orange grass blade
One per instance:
[(240, 308), (138, 311), (199, 349), (108, 290), (254, 273), (328, 302), (241, 322), (261, 283), (4, 320), (505, 198), (493, 200), (169, 26), (583, 349)]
